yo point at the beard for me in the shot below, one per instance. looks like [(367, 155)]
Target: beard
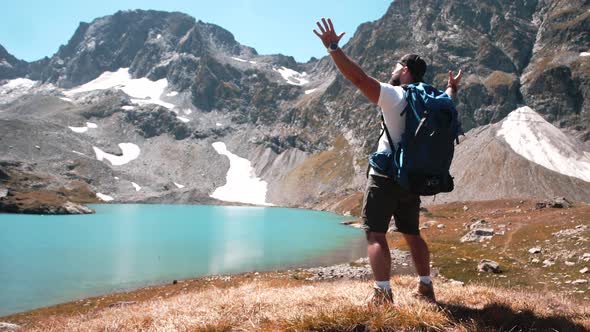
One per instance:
[(395, 80)]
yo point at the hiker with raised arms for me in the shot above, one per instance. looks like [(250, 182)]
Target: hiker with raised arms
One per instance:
[(398, 174)]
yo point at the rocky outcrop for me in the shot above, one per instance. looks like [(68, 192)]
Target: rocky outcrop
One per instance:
[(157, 121), (41, 203), (30, 192)]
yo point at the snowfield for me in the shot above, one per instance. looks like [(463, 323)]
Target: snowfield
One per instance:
[(242, 185), (532, 137), (142, 90), (130, 152), (104, 197), (292, 77)]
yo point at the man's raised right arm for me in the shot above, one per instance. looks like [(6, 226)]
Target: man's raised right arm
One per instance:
[(369, 86)]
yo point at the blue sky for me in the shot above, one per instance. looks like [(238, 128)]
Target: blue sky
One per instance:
[(32, 29)]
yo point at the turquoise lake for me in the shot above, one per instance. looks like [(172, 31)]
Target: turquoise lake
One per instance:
[(46, 260)]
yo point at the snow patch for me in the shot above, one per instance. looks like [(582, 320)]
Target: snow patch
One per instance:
[(84, 129), (128, 108), (532, 137), (242, 185), (142, 89), (136, 186), (585, 54), (252, 62), (218, 124), (309, 91), (179, 186), (158, 36), (238, 59), (172, 94), (79, 130), (183, 119), (130, 152), (291, 76), (69, 100), (187, 111), (104, 197)]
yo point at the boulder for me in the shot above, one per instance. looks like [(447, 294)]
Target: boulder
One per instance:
[(478, 235), (535, 250), (486, 265)]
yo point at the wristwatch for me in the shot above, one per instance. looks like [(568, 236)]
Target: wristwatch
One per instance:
[(332, 47)]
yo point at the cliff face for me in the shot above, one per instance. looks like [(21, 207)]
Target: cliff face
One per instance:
[(305, 128)]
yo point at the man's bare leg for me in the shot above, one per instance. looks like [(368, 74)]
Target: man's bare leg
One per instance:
[(379, 256), (421, 258), (380, 260), (420, 253)]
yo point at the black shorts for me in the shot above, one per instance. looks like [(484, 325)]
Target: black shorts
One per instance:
[(385, 198)]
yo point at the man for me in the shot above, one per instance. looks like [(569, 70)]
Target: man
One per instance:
[(384, 197)]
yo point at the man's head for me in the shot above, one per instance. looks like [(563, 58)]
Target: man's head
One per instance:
[(409, 69)]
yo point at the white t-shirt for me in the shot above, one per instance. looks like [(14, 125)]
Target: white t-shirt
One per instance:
[(392, 100)]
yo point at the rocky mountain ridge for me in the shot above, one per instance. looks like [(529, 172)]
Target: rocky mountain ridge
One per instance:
[(305, 128)]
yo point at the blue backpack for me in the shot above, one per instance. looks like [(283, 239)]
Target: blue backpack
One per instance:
[(423, 158)]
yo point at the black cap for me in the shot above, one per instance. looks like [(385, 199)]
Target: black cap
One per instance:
[(416, 65)]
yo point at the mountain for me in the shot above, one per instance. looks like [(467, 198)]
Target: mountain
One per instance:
[(136, 99), (11, 67)]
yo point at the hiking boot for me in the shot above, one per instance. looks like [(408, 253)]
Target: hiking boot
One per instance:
[(381, 297), (425, 292)]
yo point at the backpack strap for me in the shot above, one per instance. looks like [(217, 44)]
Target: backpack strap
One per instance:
[(380, 134), (387, 132)]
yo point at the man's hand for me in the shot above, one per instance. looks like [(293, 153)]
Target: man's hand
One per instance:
[(369, 86), (328, 34), (453, 82)]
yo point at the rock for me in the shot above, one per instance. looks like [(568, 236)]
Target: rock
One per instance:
[(585, 257), (548, 262), (441, 226), (535, 260), (584, 270), (556, 203), (456, 282), (3, 192), (4, 326), (465, 208), (430, 223), (479, 224), (121, 304), (486, 265), (73, 208), (568, 263), (579, 282), (535, 250), (478, 235)]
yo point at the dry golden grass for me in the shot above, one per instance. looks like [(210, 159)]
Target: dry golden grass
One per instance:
[(332, 306)]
